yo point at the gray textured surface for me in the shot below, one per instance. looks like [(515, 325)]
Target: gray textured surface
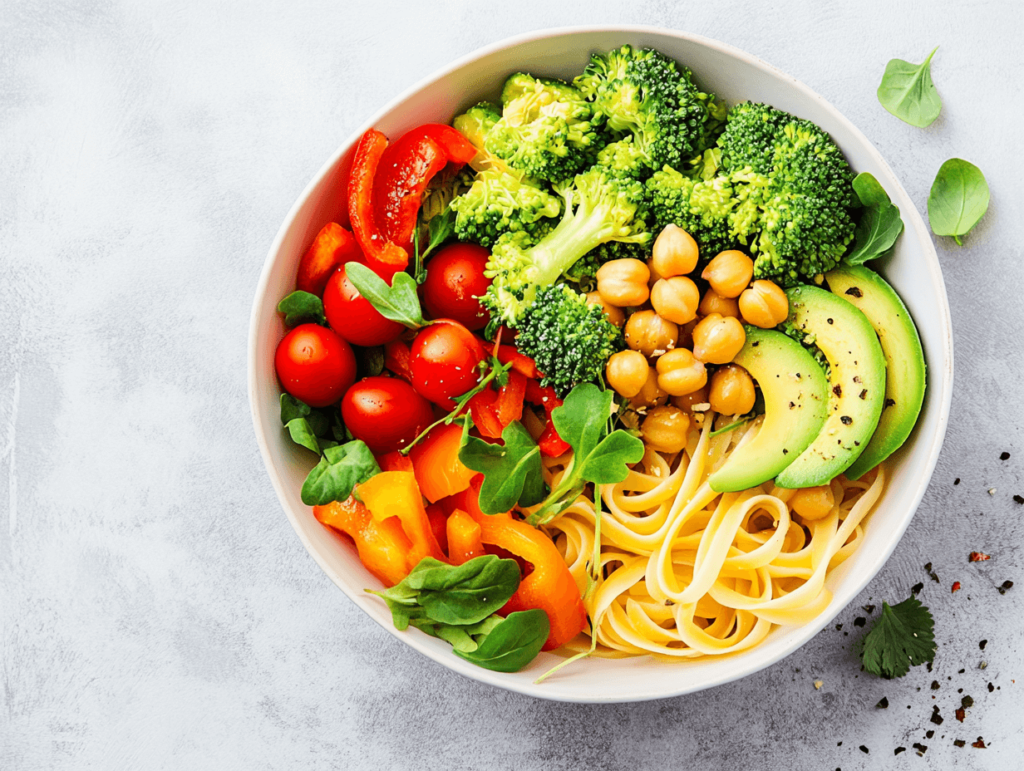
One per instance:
[(158, 611)]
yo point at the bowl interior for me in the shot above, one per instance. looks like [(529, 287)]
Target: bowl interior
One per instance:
[(913, 271)]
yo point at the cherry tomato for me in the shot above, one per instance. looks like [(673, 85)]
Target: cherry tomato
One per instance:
[(455, 278), (385, 412), (444, 363), (353, 316), (315, 365)]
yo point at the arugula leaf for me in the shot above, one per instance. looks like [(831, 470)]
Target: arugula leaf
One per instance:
[(880, 224), (340, 469), (903, 635), (908, 93), (512, 474), (302, 308), (398, 302), (958, 200), (453, 594), (511, 644)]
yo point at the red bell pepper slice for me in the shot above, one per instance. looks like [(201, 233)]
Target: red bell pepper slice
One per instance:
[(542, 396), (398, 358), (439, 525), (507, 354), (550, 443), (383, 256), (509, 405), (459, 149), (485, 416), (333, 247), (405, 170)]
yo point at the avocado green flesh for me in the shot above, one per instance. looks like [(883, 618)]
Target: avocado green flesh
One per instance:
[(904, 359), (856, 384), (795, 394)]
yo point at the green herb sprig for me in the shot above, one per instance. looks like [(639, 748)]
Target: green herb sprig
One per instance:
[(903, 636)]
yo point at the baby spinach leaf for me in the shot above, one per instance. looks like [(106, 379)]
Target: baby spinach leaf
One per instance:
[(456, 636), (301, 433), (511, 644), (340, 469), (908, 93), (302, 308), (292, 408), (398, 302), (512, 474), (306, 426), (880, 223), (958, 200)]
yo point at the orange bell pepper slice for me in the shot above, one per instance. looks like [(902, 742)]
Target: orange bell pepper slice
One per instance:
[(396, 494), (438, 525), (549, 587), (435, 460), (384, 257), (463, 538), (394, 461), (383, 547)]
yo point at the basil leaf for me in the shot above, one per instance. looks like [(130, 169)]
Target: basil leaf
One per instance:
[(908, 93), (880, 223), (340, 469), (958, 200), (301, 433), (292, 408), (463, 594), (398, 302), (302, 308), (513, 643), (512, 474), (607, 464)]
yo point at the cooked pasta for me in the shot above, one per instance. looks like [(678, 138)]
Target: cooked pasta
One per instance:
[(686, 572)]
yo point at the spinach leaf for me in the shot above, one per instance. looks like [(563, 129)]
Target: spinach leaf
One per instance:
[(512, 474), (398, 302), (309, 427), (301, 433), (908, 93), (440, 229), (292, 408), (511, 644), (302, 308), (880, 223), (340, 469), (958, 200)]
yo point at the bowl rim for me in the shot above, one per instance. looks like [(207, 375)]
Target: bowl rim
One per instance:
[(840, 600)]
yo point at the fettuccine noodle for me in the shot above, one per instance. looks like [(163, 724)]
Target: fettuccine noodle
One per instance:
[(687, 572)]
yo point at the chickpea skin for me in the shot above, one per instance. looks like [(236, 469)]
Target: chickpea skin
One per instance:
[(732, 391), (676, 299), (729, 272), (650, 334), (717, 339), (764, 304), (626, 373), (686, 401), (664, 429), (674, 252), (715, 303), (611, 312), (679, 373), (623, 283)]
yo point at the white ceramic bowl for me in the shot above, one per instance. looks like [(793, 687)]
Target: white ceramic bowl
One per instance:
[(735, 76)]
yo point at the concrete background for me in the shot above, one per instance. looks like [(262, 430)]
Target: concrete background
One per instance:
[(157, 609)]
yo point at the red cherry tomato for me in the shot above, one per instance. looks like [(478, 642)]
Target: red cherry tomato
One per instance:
[(385, 412), (353, 317), (455, 278), (315, 365), (444, 363)]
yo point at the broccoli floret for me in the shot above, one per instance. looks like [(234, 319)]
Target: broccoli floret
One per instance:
[(624, 159), (645, 94), (474, 124), (499, 202), (547, 128), (599, 207), (569, 339), (701, 208)]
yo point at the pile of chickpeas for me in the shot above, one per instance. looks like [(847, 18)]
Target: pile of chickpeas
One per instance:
[(673, 334)]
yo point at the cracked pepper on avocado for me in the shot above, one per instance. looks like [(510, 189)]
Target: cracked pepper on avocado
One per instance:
[(600, 368)]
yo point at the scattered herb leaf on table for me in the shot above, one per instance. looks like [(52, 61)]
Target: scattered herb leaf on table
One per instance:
[(958, 200), (908, 93), (903, 635)]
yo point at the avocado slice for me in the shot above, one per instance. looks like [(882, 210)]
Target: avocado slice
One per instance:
[(904, 360), (795, 392), (856, 383)]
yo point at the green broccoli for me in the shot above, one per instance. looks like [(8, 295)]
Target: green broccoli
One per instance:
[(646, 95), (474, 124), (500, 202), (599, 207), (547, 128), (568, 339), (699, 207)]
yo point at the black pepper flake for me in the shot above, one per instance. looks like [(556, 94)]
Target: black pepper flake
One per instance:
[(792, 406), (883, 703), (854, 291), (864, 393), (869, 609), (860, 621), (785, 451), (1004, 586), (936, 717), (864, 749), (1018, 499), (959, 742), (929, 667), (754, 345), (837, 389), (967, 702), (991, 687), (839, 744), (898, 750), (921, 748), (935, 685), (982, 644), (856, 378), (1004, 456), (830, 321), (839, 627), (847, 420), (916, 588), (960, 672), (890, 403), (957, 481), (929, 734)]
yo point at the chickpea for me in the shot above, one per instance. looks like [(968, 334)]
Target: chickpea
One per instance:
[(655, 275), (674, 252), (626, 372), (686, 401), (732, 391), (676, 299), (717, 339), (650, 394), (664, 429), (715, 303), (611, 312), (813, 502), (623, 282), (729, 273), (650, 334), (764, 305), (679, 373)]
